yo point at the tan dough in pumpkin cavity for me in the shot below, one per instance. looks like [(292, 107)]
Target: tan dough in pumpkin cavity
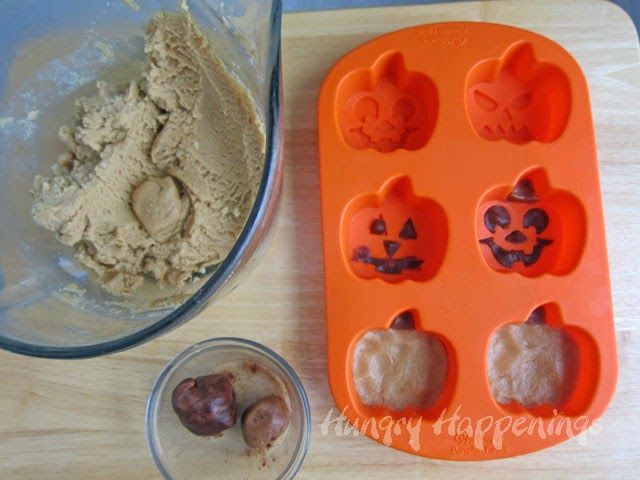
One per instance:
[(531, 364), (399, 368), (191, 130)]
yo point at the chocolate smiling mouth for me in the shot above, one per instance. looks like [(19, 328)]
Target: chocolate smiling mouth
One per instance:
[(507, 258), (392, 266)]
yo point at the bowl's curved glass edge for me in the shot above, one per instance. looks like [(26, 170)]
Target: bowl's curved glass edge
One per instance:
[(261, 214)]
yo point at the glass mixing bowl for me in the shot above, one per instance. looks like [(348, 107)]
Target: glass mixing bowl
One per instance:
[(54, 52), (179, 454)]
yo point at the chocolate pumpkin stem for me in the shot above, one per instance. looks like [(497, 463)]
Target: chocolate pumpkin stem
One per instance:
[(537, 317), (404, 321), (523, 192)]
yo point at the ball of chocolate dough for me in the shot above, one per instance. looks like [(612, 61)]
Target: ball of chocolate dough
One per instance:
[(264, 421), (205, 405)]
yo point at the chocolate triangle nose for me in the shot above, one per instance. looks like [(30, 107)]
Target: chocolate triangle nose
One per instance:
[(391, 247), (516, 237)]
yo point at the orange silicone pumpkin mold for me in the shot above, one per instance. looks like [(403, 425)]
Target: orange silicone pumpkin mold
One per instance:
[(542, 365), (460, 180), (387, 107), (395, 235), (531, 228), (518, 98)]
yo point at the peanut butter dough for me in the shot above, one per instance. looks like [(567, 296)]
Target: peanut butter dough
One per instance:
[(531, 364), (160, 208), (399, 367), (159, 176)]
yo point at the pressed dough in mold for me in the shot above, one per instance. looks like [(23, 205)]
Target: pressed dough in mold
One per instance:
[(399, 367), (532, 363)]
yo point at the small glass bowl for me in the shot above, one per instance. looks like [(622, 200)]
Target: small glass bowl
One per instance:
[(179, 454)]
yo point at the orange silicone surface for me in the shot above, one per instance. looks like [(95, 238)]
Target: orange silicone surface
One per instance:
[(428, 138)]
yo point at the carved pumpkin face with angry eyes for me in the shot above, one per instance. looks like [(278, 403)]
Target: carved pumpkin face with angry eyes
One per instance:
[(504, 111), (518, 98)]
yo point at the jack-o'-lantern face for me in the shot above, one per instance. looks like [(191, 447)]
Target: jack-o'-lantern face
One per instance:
[(384, 125), (531, 228), (390, 263), (503, 111), (517, 227), (383, 118), (518, 98), (387, 107), (395, 235)]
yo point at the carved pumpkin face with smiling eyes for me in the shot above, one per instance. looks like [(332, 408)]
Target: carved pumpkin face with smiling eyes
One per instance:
[(530, 228), (387, 107), (384, 123), (516, 227)]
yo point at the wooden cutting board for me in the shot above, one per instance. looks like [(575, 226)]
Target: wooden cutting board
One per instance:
[(85, 419)]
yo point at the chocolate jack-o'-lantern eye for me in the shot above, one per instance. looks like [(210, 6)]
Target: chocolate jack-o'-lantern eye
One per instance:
[(408, 230), (537, 218), (495, 216), (378, 226)]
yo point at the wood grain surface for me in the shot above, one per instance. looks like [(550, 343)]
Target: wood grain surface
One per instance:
[(85, 419)]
